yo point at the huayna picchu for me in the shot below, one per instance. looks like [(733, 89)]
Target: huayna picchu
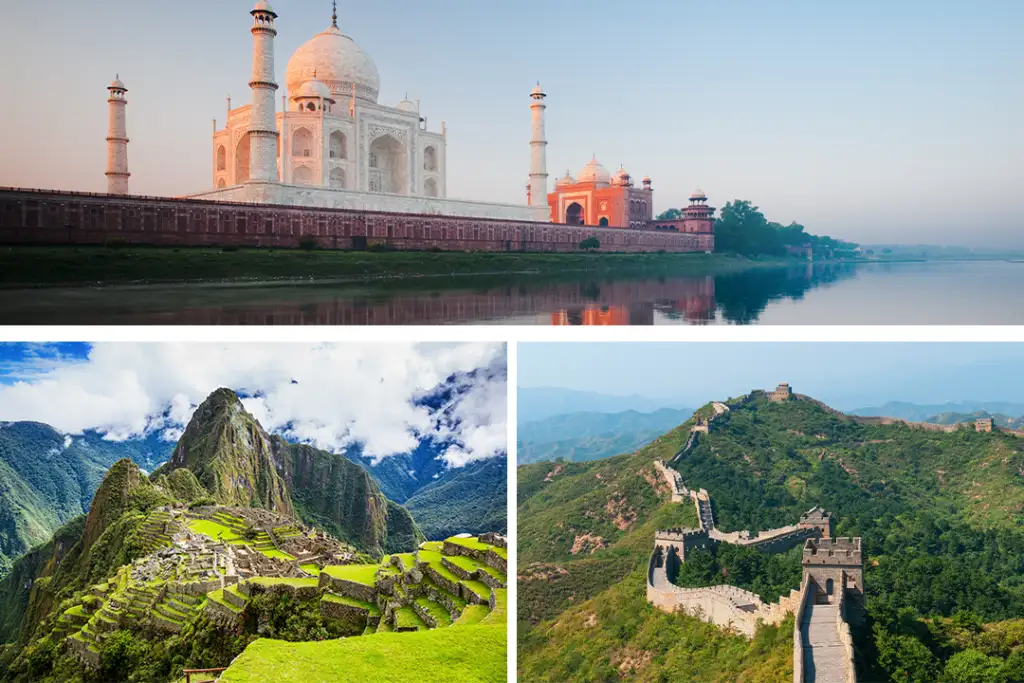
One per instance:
[(772, 538), (241, 548)]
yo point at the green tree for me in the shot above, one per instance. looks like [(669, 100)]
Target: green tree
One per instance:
[(971, 666), (670, 215), (905, 658), (590, 243)]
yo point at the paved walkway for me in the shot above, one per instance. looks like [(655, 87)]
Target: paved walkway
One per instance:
[(824, 653)]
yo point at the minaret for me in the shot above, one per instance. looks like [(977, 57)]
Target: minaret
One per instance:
[(262, 118), (538, 151), (117, 140)]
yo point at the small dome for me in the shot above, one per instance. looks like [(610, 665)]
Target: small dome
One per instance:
[(698, 194), (622, 178), (537, 90), (594, 172), (116, 84), (647, 180), (567, 179), (263, 6), (407, 105), (314, 89)]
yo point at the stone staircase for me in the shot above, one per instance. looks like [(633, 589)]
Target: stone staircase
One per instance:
[(824, 652)]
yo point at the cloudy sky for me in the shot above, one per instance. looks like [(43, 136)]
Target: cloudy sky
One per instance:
[(874, 121), (330, 395)]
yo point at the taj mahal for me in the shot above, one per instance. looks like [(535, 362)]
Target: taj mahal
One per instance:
[(334, 145)]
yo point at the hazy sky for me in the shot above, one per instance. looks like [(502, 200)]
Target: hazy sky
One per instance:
[(844, 375), (875, 121), (330, 395)]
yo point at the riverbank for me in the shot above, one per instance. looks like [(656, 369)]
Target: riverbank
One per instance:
[(71, 266)]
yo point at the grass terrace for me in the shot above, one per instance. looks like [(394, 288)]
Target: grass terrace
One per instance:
[(358, 573), (473, 614), (352, 602), (276, 554), (310, 568), (294, 582), (472, 542), (406, 617), (407, 560)]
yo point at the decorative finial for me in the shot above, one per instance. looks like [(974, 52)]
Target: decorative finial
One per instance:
[(334, 15), (117, 76)]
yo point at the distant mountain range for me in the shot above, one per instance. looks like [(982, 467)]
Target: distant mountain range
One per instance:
[(538, 403), (915, 412), (47, 478), (584, 436)]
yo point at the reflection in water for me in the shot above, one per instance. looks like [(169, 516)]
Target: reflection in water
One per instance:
[(936, 293)]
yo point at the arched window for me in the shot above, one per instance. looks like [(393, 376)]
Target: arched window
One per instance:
[(242, 160), (303, 175), (430, 159), (302, 143), (221, 183), (339, 145), (430, 187), (338, 177), (643, 207), (603, 222), (222, 158), (310, 106), (829, 586)]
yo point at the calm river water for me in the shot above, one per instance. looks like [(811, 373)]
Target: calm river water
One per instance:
[(962, 293)]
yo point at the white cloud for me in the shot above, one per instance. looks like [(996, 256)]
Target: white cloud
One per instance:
[(330, 395)]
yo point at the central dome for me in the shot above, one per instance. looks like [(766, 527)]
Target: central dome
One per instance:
[(335, 60)]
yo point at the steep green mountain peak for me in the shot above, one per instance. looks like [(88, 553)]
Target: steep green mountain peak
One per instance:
[(231, 455)]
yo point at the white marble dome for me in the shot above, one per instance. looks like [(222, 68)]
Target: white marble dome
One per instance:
[(337, 62), (594, 172), (698, 194), (407, 105), (263, 6), (314, 89), (116, 84)]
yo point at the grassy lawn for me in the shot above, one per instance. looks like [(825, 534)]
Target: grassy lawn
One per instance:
[(480, 589), (433, 559), (310, 569), (275, 553), (406, 617), (467, 655), (359, 573), (435, 610), (467, 563), (408, 560), (217, 532), (218, 597), (432, 545), (24, 265)]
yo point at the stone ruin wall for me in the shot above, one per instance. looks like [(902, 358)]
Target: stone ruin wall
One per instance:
[(58, 218)]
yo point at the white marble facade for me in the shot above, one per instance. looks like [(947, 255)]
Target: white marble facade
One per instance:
[(336, 144)]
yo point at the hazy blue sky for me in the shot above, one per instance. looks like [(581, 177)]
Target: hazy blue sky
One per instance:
[(872, 121), (846, 376)]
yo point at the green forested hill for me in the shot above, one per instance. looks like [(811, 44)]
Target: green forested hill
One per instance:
[(47, 478), (939, 514)]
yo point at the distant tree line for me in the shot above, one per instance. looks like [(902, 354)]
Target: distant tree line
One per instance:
[(741, 228)]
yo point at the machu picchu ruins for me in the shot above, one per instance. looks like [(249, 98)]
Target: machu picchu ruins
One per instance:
[(213, 561)]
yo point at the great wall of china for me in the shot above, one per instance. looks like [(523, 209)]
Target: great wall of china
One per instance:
[(831, 592)]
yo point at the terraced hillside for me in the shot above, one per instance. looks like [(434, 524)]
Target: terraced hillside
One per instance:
[(231, 574)]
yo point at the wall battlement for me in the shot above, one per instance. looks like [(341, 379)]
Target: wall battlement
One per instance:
[(842, 551)]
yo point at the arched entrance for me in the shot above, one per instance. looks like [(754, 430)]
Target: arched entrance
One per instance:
[(302, 175), (603, 222), (829, 585), (242, 160), (430, 187), (390, 171), (338, 178), (222, 158), (339, 145), (574, 214), (302, 143)]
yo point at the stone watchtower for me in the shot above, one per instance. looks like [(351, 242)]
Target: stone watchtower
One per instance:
[(983, 424), (781, 393), (834, 565), (816, 518)]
